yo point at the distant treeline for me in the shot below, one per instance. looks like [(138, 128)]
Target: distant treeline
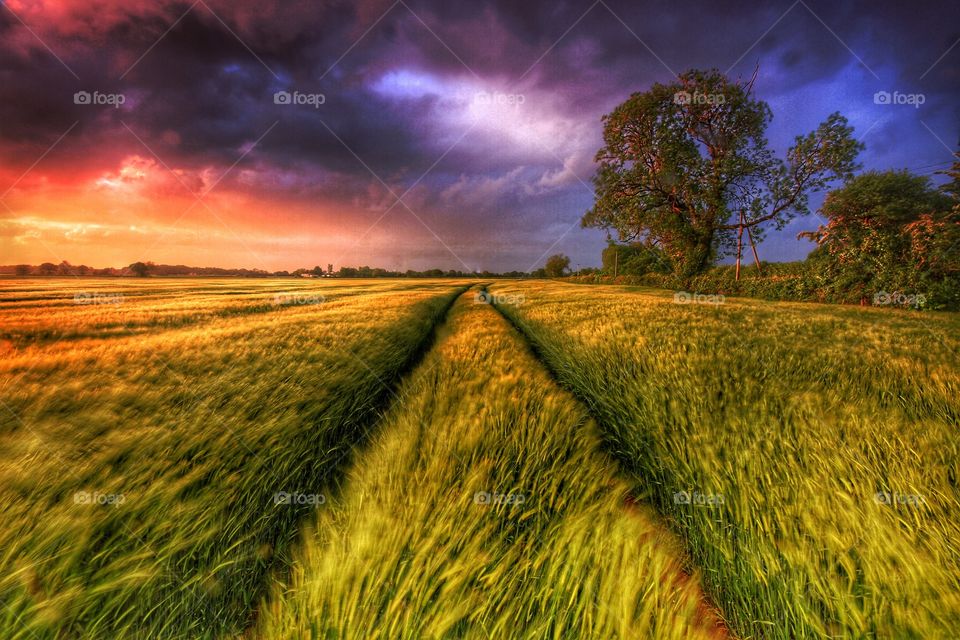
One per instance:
[(144, 269)]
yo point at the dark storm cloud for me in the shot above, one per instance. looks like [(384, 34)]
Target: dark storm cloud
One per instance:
[(201, 92)]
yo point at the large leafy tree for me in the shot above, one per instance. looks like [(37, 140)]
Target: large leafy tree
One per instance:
[(140, 269), (557, 265), (866, 217), (891, 231), (681, 161)]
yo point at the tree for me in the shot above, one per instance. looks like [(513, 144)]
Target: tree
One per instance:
[(22, 269), (634, 259), (48, 269), (681, 161), (556, 266), (890, 231), (140, 269), (952, 188)]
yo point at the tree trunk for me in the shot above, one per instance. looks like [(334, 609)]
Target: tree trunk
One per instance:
[(698, 256)]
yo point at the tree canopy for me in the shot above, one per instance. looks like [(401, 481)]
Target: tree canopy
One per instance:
[(681, 161), (633, 259), (891, 231), (557, 265)]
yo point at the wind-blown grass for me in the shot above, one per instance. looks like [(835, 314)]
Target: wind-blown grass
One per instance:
[(147, 428), (831, 434), (484, 509), (138, 466)]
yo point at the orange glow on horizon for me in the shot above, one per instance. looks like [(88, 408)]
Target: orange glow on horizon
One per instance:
[(144, 211)]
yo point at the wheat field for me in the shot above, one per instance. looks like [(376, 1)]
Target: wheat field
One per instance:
[(284, 458)]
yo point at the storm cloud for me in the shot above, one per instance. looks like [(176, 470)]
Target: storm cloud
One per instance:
[(406, 134)]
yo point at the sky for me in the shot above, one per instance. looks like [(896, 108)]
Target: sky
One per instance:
[(408, 134)]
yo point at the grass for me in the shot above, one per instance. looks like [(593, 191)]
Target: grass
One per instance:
[(211, 458), (829, 434), (406, 551), (145, 431)]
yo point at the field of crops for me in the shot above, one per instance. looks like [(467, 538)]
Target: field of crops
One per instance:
[(147, 429), (807, 455), (215, 458), (484, 509)]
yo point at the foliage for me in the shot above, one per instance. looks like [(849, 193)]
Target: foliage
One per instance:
[(633, 259), (140, 269), (557, 266), (952, 186), (682, 160), (891, 232)]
